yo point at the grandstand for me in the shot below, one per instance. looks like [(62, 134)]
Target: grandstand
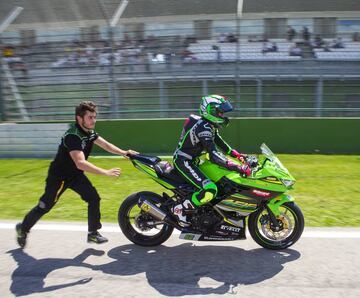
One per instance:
[(274, 58)]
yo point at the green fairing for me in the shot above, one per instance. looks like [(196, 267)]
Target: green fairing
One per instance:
[(273, 219), (275, 203), (268, 176), (215, 173)]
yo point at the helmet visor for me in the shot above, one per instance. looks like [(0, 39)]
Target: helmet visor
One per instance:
[(225, 107)]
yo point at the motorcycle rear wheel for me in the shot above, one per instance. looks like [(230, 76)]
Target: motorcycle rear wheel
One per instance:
[(135, 223), (291, 223)]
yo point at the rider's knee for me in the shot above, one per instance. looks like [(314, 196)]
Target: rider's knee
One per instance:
[(208, 193)]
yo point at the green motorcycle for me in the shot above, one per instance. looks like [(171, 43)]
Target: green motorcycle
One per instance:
[(274, 220)]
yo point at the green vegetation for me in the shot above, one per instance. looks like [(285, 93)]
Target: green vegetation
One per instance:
[(327, 189)]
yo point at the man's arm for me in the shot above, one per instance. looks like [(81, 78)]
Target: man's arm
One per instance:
[(225, 147), (206, 137), (101, 142), (82, 164)]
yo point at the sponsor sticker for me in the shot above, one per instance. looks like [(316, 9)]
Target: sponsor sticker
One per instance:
[(145, 207), (260, 193)]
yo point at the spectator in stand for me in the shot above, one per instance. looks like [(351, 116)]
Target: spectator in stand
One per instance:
[(356, 36), (318, 42), (127, 41), (231, 38), (290, 32), (306, 33), (269, 47), (326, 47), (222, 38), (187, 56), (14, 61), (337, 43), (218, 52), (295, 50)]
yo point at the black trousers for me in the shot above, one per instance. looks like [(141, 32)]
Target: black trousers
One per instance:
[(54, 188)]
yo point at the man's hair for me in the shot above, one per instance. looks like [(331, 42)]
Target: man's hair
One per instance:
[(84, 106)]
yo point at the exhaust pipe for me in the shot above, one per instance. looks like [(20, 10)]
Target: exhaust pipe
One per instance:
[(152, 210)]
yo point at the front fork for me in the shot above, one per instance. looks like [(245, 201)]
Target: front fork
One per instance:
[(273, 205)]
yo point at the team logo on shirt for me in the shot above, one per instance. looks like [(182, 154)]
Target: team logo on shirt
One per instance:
[(195, 175), (83, 144)]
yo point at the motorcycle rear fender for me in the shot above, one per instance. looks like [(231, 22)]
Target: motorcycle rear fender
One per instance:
[(275, 203)]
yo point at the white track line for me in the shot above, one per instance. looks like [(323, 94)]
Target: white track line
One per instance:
[(328, 233)]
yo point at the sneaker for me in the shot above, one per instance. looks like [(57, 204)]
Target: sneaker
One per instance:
[(20, 235), (178, 211), (96, 237)]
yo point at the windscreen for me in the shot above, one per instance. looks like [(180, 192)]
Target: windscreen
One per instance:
[(272, 157)]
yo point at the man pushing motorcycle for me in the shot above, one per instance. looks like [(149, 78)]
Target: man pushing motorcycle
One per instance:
[(200, 134)]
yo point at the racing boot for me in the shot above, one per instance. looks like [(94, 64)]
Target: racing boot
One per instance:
[(20, 235), (178, 211), (96, 237)]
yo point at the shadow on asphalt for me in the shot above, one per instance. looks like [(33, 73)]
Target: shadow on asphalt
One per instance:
[(172, 271)]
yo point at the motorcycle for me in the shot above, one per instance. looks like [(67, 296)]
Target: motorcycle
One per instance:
[(274, 220)]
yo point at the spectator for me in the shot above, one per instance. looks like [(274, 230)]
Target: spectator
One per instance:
[(222, 38), (218, 52), (306, 33), (337, 43), (127, 41), (318, 42), (295, 50), (290, 32), (187, 56), (269, 47), (231, 38), (356, 36), (13, 59), (326, 47), (168, 53)]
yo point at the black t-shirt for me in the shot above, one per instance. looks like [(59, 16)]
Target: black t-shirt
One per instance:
[(74, 138)]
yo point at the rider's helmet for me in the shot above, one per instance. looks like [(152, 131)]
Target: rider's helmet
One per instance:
[(213, 108)]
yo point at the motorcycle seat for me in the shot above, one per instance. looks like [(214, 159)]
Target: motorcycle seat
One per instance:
[(146, 159), (166, 170)]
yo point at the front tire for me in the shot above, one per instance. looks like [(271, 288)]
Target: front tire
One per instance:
[(135, 223), (291, 222)]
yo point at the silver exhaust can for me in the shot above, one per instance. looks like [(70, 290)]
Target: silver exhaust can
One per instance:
[(152, 210)]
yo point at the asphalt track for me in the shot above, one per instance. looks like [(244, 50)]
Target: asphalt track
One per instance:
[(59, 263)]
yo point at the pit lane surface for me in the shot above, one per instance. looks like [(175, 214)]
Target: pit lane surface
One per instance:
[(58, 262)]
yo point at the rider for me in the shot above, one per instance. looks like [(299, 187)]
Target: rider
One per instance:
[(201, 134)]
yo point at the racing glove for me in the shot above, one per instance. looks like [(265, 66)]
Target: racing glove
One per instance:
[(243, 170), (239, 156)]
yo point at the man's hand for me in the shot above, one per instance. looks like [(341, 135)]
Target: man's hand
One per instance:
[(244, 170), (239, 156), (130, 152), (114, 172)]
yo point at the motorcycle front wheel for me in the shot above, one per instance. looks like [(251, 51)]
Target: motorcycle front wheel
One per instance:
[(290, 227), (139, 226)]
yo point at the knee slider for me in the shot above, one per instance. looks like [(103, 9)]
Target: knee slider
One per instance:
[(210, 186), (206, 194)]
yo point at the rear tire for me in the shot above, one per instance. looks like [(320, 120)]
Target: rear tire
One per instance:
[(127, 221), (293, 226)]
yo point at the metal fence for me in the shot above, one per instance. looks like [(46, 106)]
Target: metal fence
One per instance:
[(161, 70)]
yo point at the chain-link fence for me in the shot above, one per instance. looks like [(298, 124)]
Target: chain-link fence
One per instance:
[(160, 67)]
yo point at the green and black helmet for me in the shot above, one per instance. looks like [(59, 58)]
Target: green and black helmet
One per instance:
[(213, 108)]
